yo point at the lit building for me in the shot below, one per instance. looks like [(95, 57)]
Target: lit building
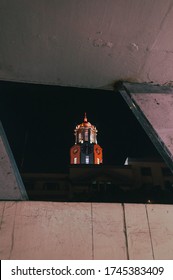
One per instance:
[(86, 150)]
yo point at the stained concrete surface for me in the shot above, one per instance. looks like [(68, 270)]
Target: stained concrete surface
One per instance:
[(11, 185), (153, 107), (87, 44), (52, 230)]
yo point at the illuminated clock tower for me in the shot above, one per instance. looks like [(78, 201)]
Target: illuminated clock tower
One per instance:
[(86, 150)]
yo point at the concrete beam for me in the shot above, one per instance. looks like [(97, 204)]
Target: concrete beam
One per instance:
[(11, 185), (153, 107)]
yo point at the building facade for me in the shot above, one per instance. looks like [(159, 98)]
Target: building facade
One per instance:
[(141, 181)]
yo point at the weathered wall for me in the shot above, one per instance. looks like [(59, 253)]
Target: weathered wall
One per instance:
[(153, 108), (52, 230), (87, 44), (11, 185)]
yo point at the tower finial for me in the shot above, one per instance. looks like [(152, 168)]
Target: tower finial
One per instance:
[(85, 118)]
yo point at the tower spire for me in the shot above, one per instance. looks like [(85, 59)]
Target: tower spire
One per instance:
[(85, 118)]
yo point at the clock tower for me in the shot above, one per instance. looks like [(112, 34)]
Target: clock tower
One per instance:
[(86, 150)]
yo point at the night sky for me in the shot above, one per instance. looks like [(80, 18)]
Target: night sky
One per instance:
[(39, 121)]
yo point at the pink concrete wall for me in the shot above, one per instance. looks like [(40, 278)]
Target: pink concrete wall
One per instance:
[(52, 230), (158, 109)]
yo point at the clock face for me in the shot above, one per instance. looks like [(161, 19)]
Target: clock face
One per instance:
[(98, 151), (75, 150)]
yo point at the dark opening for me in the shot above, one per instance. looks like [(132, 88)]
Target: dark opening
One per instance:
[(39, 121)]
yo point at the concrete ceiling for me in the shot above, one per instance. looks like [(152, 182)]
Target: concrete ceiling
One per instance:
[(83, 43)]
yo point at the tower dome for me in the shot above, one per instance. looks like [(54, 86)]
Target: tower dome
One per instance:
[(85, 132)]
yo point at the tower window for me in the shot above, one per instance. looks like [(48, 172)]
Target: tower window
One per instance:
[(80, 137), (75, 160), (87, 159), (98, 161), (86, 135)]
